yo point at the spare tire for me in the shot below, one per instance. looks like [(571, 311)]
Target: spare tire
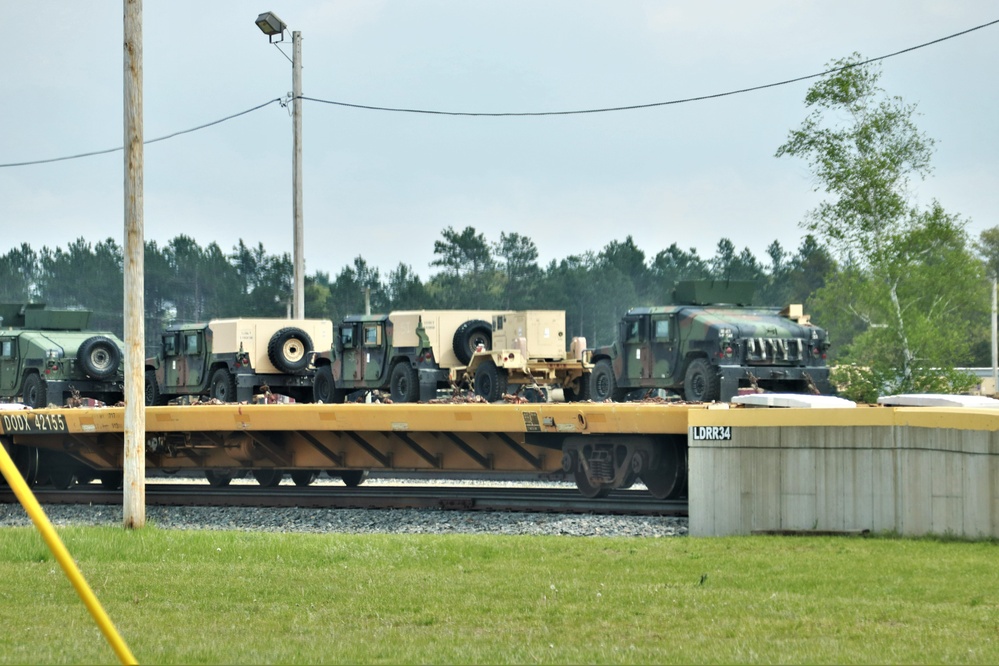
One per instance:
[(100, 357), (469, 336), (289, 350)]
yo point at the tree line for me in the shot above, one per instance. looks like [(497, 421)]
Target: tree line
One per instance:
[(186, 282), (902, 288)]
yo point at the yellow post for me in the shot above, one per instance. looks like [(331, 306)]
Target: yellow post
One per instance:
[(55, 544)]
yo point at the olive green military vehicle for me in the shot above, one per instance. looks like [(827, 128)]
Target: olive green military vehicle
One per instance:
[(233, 359), (409, 354), (709, 344), (48, 354)]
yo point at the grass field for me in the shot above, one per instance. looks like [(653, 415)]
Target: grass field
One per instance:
[(233, 597)]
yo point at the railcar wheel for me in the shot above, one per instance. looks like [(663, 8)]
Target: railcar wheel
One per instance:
[(586, 487), (289, 350), (112, 479), (352, 477), (666, 478), (490, 381), (25, 460), (404, 384), (304, 477), (223, 386), (218, 478), (34, 392), (701, 382), (99, 357), (62, 478), (267, 477)]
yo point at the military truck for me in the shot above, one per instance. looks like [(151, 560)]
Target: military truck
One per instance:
[(529, 351), (410, 354), (47, 354), (232, 359), (709, 344)]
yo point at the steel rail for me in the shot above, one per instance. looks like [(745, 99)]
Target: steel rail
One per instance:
[(464, 498)]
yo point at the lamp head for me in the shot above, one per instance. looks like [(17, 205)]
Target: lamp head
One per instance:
[(271, 25)]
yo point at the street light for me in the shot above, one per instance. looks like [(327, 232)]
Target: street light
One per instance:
[(271, 25)]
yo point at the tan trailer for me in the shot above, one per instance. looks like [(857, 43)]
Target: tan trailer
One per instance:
[(529, 351)]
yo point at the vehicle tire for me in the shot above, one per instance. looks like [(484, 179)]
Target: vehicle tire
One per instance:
[(490, 381), (34, 392), (352, 477), (218, 478), (701, 383), (404, 383), (304, 477), (100, 357), (289, 350), (583, 394), (153, 396), (603, 383), (223, 386), (268, 477), (324, 388), (469, 336)]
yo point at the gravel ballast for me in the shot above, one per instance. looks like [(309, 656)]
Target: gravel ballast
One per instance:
[(360, 521)]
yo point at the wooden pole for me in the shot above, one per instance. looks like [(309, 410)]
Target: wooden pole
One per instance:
[(134, 496), (995, 338)]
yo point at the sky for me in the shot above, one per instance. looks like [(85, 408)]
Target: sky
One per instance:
[(383, 185)]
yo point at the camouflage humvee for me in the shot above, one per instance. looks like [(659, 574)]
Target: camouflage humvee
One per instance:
[(47, 354), (709, 344), (231, 359), (410, 354)]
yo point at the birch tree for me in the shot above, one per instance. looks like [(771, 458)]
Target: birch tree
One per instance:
[(910, 282)]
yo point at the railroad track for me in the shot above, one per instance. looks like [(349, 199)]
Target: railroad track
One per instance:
[(457, 498)]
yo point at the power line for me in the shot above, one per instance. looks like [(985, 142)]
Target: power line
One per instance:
[(162, 138), (632, 107)]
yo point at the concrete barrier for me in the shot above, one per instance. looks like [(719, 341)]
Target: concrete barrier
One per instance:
[(914, 471)]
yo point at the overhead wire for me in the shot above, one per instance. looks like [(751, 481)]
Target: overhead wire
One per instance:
[(609, 109), (684, 100), (160, 138)]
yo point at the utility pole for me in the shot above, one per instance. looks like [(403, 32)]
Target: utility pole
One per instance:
[(272, 26), (298, 289), (995, 337), (134, 488)]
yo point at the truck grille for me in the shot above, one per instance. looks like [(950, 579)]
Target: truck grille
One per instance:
[(774, 350)]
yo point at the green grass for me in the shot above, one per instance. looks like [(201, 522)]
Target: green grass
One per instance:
[(231, 597)]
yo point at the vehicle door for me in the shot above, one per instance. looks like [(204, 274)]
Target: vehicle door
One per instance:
[(373, 341), (348, 363), (663, 348), (635, 345), (193, 358), (9, 365)]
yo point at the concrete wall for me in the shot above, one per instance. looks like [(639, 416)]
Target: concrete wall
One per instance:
[(913, 471)]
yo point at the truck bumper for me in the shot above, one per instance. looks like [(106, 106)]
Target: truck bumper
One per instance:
[(247, 384), (57, 391), (778, 379)]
